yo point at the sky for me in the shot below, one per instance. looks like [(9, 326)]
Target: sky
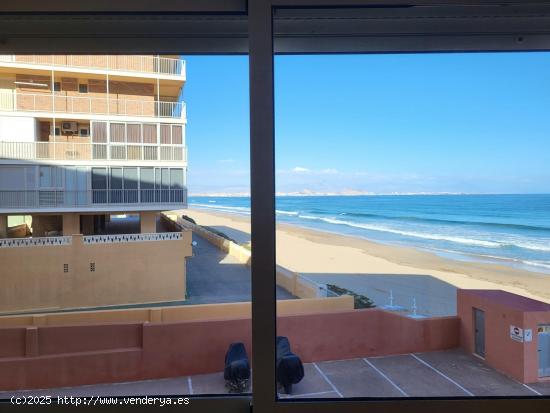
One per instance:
[(424, 123)]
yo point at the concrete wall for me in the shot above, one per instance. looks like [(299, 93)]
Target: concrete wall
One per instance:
[(71, 224), (130, 272), (177, 313), (42, 357), (516, 359), (148, 222)]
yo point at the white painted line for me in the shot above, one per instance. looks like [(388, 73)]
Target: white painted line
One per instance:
[(190, 384), (290, 396), (533, 390), (468, 392), (327, 380), (386, 377)]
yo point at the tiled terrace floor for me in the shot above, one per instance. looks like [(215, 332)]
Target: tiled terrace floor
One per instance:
[(450, 373)]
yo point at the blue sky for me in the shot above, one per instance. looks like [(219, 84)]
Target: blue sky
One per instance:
[(476, 123)]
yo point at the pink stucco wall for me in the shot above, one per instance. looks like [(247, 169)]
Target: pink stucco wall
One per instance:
[(42, 357)]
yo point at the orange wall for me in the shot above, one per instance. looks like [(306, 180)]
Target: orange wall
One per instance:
[(76, 355), (33, 277)]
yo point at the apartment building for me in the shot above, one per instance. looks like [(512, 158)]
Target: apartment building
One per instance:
[(84, 138)]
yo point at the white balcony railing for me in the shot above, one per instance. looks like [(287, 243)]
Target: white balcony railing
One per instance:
[(58, 198), (89, 105), (74, 151), (126, 63)]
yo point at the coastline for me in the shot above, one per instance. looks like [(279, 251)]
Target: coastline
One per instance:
[(407, 271)]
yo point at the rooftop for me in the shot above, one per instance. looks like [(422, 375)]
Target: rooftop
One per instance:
[(515, 301)]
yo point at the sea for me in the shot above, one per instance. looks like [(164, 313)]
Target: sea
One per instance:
[(510, 229)]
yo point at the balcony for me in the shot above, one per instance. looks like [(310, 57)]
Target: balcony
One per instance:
[(40, 199), (85, 105), (73, 151), (124, 63)]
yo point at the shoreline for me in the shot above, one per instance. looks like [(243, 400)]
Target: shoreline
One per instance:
[(322, 253)]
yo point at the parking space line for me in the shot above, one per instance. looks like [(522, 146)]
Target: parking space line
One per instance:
[(190, 384), (469, 393), (533, 390), (308, 394), (386, 377), (331, 384)]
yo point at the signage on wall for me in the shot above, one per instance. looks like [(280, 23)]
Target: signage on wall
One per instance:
[(516, 334), (528, 335)]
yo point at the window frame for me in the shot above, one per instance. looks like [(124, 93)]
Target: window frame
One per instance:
[(160, 38), (262, 50)]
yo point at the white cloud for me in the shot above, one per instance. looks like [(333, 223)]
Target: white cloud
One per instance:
[(330, 171), (299, 169)]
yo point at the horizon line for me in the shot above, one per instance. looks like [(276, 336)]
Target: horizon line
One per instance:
[(296, 194)]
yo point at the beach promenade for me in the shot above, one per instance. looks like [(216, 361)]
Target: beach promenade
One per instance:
[(376, 270)]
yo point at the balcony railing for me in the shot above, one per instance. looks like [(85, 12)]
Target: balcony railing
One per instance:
[(56, 198), (89, 105), (74, 151), (126, 63), (90, 239)]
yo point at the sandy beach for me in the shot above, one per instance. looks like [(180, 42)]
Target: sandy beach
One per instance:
[(374, 269)]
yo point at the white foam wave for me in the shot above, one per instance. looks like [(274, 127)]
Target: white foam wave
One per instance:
[(532, 246), (281, 212), (460, 240)]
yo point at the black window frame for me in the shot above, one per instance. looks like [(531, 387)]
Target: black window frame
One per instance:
[(166, 35)]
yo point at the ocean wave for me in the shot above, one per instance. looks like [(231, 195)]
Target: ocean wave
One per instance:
[(503, 243), (446, 221), (281, 212), (531, 246), (459, 240)]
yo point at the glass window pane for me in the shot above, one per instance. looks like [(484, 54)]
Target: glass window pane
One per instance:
[(177, 135), (149, 133), (118, 132), (416, 215), (134, 134), (135, 262), (165, 134)]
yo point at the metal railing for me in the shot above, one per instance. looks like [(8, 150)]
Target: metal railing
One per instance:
[(89, 105), (63, 151), (126, 63), (57, 198)]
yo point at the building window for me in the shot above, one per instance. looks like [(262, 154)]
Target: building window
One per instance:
[(83, 88), (84, 132), (57, 132), (57, 86)]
